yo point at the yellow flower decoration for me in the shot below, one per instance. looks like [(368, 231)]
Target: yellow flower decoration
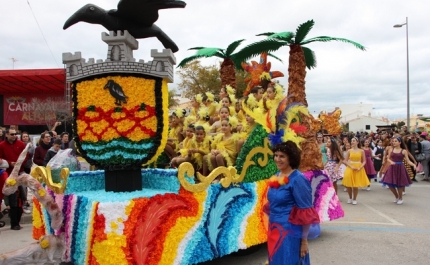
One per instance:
[(150, 123), (203, 112), (251, 102), (179, 113), (99, 126), (82, 125), (232, 99), (210, 96), (233, 122), (41, 192), (89, 136), (141, 114), (124, 125), (137, 134), (230, 90), (279, 91), (265, 76), (110, 134), (11, 182), (199, 98), (44, 243), (91, 114)]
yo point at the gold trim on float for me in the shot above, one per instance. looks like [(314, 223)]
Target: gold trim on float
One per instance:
[(43, 175), (229, 174)]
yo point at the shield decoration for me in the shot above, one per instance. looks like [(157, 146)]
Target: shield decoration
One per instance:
[(120, 121)]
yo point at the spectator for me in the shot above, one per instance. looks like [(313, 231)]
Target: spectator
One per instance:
[(42, 149), (65, 140), (10, 149), (3, 177), (25, 137), (2, 133), (52, 151), (425, 144), (14, 203)]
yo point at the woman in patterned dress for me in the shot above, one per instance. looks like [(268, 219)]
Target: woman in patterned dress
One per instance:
[(334, 165)]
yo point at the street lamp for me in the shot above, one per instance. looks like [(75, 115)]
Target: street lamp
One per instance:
[(407, 71)]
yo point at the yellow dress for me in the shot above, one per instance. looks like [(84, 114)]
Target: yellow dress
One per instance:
[(228, 148), (353, 178), (185, 146), (173, 134), (204, 146)]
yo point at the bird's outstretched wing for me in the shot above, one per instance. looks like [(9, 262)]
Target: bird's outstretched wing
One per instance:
[(143, 12)]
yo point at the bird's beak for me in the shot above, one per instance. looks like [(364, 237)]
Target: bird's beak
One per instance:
[(171, 4), (75, 18)]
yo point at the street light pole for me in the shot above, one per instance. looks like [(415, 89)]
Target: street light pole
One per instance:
[(407, 72)]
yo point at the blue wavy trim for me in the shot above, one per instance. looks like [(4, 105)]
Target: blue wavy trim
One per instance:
[(115, 143)]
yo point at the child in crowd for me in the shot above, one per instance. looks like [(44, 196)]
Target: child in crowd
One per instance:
[(14, 203), (52, 151), (183, 152)]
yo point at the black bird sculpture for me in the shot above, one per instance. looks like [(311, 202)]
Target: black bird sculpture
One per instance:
[(135, 16), (116, 91)]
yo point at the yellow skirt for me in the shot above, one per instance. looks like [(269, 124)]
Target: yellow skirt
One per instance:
[(355, 179)]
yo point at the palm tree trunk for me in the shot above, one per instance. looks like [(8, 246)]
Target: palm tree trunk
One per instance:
[(311, 155), (228, 73)]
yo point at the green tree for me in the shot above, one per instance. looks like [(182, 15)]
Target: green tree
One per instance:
[(172, 101), (198, 79)]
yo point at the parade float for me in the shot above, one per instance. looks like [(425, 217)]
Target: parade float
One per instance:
[(127, 213)]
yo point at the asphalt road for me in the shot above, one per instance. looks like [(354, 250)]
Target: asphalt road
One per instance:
[(375, 231)]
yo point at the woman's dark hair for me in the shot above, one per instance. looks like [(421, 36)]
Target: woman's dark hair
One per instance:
[(291, 150), (334, 149), (255, 89), (204, 97), (229, 99), (200, 128), (223, 107), (191, 126)]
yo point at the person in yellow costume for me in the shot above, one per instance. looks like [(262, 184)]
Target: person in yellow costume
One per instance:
[(200, 146), (355, 176), (209, 102), (223, 148), (224, 113), (274, 94), (183, 152)]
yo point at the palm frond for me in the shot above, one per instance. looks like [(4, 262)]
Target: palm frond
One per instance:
[(310, 59), (256, 48), (327, 39), (195, 57), (196, 48), (285, 36), (209, 52), (303, 30), (274, 56), (230, 49), (266, 34)]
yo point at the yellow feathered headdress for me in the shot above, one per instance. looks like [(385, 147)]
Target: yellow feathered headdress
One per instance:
[(230, 90), (278, 121), (210, 96), (233, 121), (199, 98), (180, 113)]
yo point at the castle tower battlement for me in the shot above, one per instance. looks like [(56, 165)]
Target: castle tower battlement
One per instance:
[(120, 60)]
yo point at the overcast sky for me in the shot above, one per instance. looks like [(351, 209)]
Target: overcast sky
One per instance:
[(344, 75)]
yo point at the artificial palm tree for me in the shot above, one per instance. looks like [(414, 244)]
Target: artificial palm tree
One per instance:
[(230, 60), (300, 58), (228, 66)]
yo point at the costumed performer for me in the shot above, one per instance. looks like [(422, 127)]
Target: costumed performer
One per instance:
[(224, 113), (354, 177), (378, 154), (396, 177), (200, 146), (224, 146), (369, 167), (321, 144), (334, 165), (273, 95), (290, 209), (183, 152)]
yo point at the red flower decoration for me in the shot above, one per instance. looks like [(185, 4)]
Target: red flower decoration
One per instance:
[(275, 182)]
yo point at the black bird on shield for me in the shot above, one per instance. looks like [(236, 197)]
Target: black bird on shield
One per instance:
[(116, 91)]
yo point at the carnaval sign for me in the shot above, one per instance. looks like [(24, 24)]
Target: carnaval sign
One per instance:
[(24, 109)]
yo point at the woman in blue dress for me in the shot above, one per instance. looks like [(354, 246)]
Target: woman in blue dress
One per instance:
[(290, 209)]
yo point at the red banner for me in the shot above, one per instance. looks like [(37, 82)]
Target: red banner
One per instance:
[(25, 109)]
